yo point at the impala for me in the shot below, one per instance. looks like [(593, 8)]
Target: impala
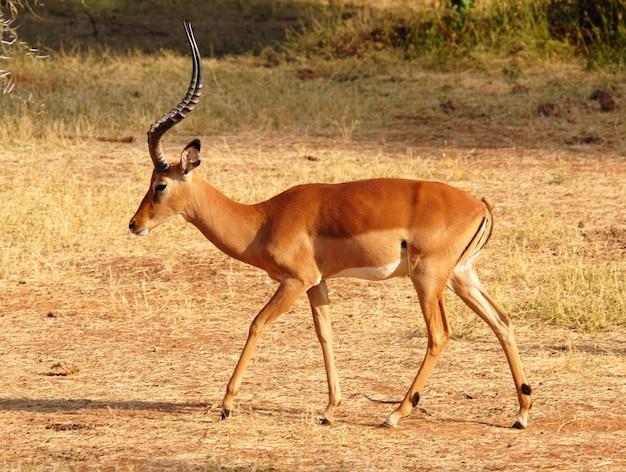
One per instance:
[(371, 229)]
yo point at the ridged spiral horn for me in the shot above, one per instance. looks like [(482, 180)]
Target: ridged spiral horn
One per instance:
[(180, 111)]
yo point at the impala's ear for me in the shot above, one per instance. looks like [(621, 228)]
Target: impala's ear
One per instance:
[(190, 158)]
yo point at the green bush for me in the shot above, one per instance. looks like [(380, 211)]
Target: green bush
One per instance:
[(596, 28), (451, 31)]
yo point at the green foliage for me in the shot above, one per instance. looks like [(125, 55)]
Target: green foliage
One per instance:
[(452, 33), (464, 9), (449, 32), (596, 28)]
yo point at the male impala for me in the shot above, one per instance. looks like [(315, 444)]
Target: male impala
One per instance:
[(371, 229)]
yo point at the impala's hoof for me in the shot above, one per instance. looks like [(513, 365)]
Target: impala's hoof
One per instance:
[(387, 424), (390, 421), (226, 414), (325, 422), (518, 425)]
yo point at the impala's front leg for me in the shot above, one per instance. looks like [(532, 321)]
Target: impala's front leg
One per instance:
[(288, 291), (318, 297)]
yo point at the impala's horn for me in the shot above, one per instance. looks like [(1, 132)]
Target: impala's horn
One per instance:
[(180, 111)]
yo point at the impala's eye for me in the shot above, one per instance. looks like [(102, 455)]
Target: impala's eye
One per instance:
[(160, 187)]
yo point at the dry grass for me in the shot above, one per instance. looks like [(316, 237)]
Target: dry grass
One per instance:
[(154, 325), (147, 330)]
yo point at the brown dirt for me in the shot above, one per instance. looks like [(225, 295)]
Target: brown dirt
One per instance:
[(154, 335)]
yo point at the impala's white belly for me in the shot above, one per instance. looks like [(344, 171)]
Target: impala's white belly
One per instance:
[(377, 255), (386, 271)]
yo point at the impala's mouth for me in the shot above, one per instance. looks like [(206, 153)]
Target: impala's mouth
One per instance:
[(134, 230)]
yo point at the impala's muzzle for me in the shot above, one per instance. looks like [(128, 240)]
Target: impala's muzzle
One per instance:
[(141, 232)]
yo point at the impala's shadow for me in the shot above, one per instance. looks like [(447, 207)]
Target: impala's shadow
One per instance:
[(76, 405), (66, 405)]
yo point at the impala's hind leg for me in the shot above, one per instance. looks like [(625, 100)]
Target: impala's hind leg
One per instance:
[(430, 292), (465, 283)]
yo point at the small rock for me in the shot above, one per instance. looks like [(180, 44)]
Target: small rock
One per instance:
[(62, 369)]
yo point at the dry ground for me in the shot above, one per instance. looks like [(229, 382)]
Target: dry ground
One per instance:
[(154, 325)]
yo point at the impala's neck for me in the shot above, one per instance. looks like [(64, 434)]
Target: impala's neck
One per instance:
[(231, 226)]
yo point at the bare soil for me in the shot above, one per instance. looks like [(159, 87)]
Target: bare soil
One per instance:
[(120, 362)]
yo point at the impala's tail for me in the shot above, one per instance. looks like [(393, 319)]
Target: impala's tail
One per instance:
[(490, 206), (481, 237)]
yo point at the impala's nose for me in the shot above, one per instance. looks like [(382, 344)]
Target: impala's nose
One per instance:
[(133, 229)]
